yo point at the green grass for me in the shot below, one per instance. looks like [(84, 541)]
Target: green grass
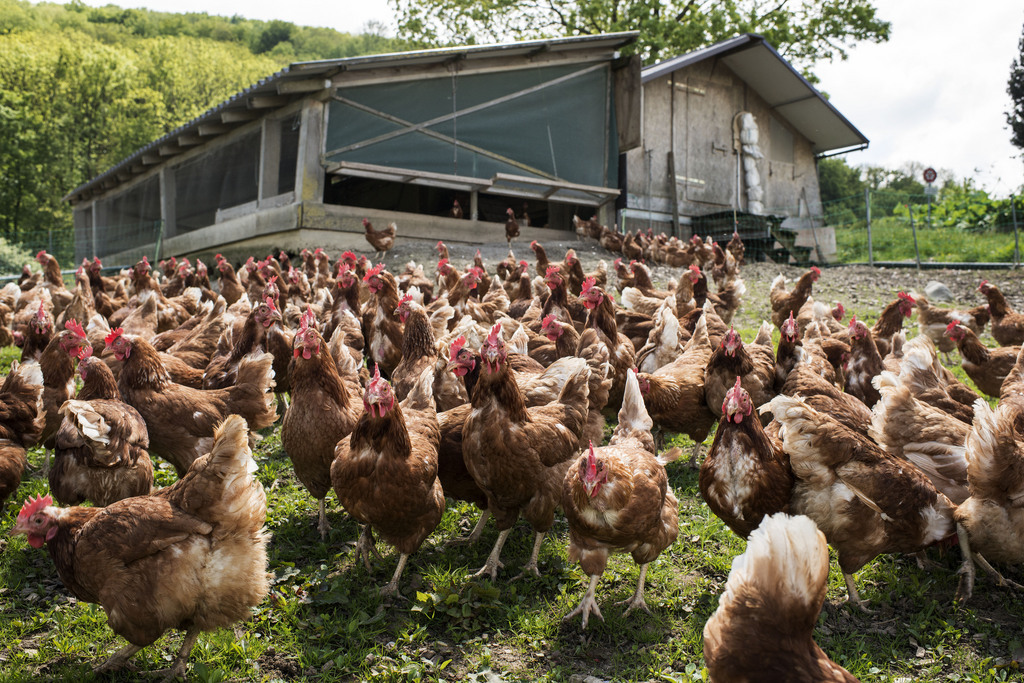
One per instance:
[(893, 240), (325, 621)]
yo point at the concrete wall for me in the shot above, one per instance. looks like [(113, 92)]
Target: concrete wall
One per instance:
[(334, 228)]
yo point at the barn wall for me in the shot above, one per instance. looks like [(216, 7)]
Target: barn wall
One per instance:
[(705, 98)]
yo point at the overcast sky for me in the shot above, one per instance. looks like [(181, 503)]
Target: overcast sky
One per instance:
[(934, 94)]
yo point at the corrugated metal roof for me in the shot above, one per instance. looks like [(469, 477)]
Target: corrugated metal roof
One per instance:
[(781, 86), (329, 67)]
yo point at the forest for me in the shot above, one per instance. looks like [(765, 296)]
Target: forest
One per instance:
[(82, 87)]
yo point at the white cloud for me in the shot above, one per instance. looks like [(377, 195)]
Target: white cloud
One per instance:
[(936, 92)]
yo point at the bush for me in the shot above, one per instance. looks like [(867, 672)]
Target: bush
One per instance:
[(13, 257)]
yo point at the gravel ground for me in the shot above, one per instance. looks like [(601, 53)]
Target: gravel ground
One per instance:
[(862, 289)]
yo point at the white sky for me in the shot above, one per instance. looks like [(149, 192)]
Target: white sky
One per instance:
[(935, 93)]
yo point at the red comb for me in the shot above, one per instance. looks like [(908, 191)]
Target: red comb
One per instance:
[(589, 283), (270, 303), (551, 271), (34, 505), (906, 297), (816, 269), (41, 254), (365, 221), (695, 269), (349, 256), (456, 346), (75, 327), (548, 319), (373, 271), (950, 327), (494, 338), (42, 311), (114, 334), (534, 244), (218, 257), (407, 297), (591, 463)]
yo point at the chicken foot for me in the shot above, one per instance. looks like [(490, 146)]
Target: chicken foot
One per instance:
[(475, 534), (180, 665), (638, 597), (392, 587), (695, 460), (323, 526), (588, 605), (117, 660), (994, 573), (965, 588), (492, 564), (853, 597), (365, 546), (531, 566)]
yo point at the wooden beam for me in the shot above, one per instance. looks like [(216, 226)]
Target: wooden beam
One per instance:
[(169, 150), (207, 129), (267, 101), (237, 116), (308, 85), (150, 159), (189, 140)]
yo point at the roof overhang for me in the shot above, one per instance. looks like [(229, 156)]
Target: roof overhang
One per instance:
[(781, 86), (304, 78)]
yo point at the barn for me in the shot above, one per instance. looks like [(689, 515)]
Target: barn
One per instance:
[(300, 158), (731, 138)]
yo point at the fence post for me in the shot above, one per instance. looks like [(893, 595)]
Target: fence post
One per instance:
[(1016, 236), (159, 241), (913, 229), (867, 215)]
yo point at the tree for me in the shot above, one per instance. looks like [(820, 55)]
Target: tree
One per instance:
[(1015, 117), (804, 32)]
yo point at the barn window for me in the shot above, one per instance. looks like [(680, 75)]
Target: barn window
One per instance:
[(514, 133), (130, 218), (224, 178), (781, 145)]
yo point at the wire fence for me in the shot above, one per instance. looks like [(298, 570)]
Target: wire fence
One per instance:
[(118, 245)]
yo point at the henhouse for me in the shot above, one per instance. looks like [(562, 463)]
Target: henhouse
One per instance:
[(301, 157), (731, 138)]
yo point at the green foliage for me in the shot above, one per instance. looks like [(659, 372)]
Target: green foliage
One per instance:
[(12, 258), (1015, 89), (804, 33), (81, 88)]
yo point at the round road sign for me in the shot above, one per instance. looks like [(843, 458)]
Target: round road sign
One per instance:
[(930, 175)]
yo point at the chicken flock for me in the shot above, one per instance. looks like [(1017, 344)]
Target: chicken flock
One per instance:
[(399, 391)]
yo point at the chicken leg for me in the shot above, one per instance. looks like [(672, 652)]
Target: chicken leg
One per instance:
[(531, 566), (638, 597), (392, 587), (180, 665), (588, 605), (475, 534), (117, 660), (853, 597), (322, 524), (365, 546), (965, 588), (492, 564)]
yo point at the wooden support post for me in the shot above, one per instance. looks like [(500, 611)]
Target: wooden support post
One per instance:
[(913, 229), (867, 215)]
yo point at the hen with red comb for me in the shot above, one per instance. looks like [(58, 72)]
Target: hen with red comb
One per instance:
[(617, 499)]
